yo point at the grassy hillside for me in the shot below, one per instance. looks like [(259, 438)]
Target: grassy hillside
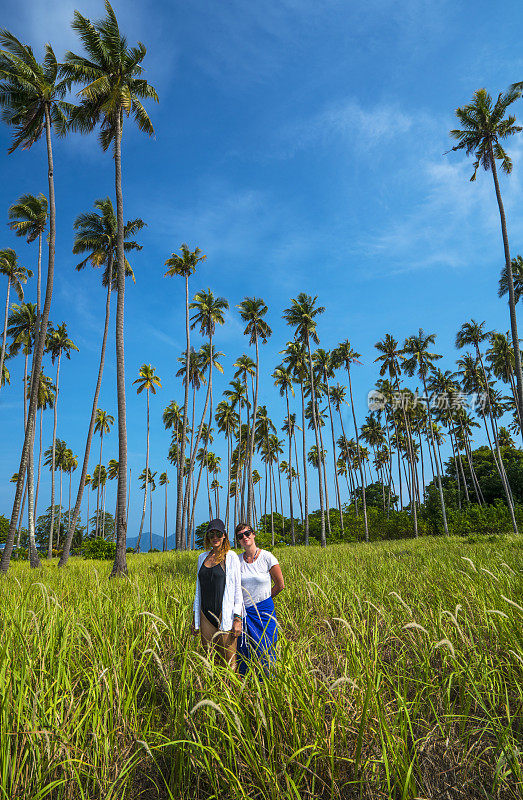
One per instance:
[(400, 675)]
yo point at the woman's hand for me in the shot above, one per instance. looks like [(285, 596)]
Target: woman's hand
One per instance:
[(237, 627)]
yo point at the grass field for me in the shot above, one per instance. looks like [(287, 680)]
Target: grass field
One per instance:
[(399, 675)]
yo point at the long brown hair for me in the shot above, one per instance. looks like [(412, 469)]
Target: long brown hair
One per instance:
[(224, 549)]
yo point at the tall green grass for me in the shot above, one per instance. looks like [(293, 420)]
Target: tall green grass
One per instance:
[(399, 676)]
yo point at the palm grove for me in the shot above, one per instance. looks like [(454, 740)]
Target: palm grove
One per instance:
[(380, 475)]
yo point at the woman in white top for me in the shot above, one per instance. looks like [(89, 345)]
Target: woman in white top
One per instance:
[(262, 580), (218, 602)]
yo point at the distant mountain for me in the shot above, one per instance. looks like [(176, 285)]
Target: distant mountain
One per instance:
[(145, 542)]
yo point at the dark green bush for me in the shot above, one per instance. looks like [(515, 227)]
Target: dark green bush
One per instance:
[(99, 549)]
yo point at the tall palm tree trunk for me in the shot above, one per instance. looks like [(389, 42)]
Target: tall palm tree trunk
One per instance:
[(323, 540), (291, 509), (165, 521), (146, 479), (195, 448), (305, 481), (250, 489), (499, 464), (324, 468), (336, 481), (181, 449), (228, 479), (39, 463), (59, 512), (511, 300), (298, 482), (33, 553), (76, 512), (53, 462), (438, 475), (97, 529), (120, 563), (363, 497), (38, 354), (195, 496), (4, 335)]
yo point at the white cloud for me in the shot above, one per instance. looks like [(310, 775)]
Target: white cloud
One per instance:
[(452, 221), (362, 128)]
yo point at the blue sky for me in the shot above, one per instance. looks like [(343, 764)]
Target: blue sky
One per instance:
[(301, 146)]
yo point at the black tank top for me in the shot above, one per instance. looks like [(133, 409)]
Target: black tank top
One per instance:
[(212, 587)]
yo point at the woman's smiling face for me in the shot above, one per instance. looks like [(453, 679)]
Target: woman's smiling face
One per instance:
[(245, 537)]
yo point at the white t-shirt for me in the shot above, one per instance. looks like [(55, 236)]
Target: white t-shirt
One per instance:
[(256, 580)]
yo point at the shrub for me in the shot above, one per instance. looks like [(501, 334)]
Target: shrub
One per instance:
[(99, 549)]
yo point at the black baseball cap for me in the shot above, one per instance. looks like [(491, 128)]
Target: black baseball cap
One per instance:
[(216, 525)]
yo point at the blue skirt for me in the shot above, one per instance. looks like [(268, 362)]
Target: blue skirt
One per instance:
[(259, 636)]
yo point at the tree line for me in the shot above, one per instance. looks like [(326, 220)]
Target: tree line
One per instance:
[(110, 89)]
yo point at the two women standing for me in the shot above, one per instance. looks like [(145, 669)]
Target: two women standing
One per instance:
[(234, 597)]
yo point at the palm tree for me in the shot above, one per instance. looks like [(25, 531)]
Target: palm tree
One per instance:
[(484, 127), (501, 358), (46, 399), (60, 462), (252, 310), (245, 368), (473, 333), (163, 481), (87, 483), (96, 235), (391, 358), (295, 357), (152, 476), (70, 466), (29, 219), (103, 424), (21, 329), (345, 356), (283, 380), (184, 266), (58, 343), (113, 86), (32, 102), (98, 481), (421, 360), (112, 474), (302, 316), (237, 396), (227, 421), (209, 312), (517, 279), (5, 377), (148, 380), (16, 275), (325, 364)]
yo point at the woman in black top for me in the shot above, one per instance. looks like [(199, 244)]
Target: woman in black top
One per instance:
[(218, 598)]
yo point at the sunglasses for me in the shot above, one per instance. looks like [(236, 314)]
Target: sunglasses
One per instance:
[(240, 535), (215, 535)]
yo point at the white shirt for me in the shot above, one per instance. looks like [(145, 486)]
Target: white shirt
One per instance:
[(256, 579), (232, 594)]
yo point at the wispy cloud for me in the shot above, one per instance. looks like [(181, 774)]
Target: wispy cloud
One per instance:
[(452, 222), (347, 120)]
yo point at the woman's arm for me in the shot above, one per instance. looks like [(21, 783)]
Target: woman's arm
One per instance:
[(278, 584), (236, 595), (196, 605)]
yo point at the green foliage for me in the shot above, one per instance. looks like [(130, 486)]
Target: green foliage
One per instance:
[(43, 526), (105, 525), (199, 534), (4, 529), (99, 549)]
